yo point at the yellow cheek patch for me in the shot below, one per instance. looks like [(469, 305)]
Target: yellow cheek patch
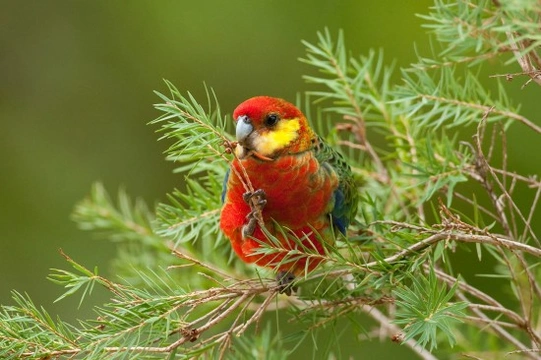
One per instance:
[(281, 136)]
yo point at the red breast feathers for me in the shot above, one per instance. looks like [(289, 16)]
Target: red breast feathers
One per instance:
[(276, 150)]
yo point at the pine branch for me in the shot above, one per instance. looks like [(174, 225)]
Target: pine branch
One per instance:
[(178, 291)]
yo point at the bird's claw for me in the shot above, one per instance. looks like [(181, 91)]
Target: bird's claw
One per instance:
[(285, 282), (249, 228), (229, 146), (257, 201), (259, 195)]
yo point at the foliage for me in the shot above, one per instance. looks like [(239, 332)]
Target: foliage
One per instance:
[(426, 195)]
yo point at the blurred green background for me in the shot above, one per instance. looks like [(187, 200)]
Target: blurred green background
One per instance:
[(76, 93)]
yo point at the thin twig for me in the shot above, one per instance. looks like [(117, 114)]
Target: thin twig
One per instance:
[(183, 255), (393, 330), (485, 108)]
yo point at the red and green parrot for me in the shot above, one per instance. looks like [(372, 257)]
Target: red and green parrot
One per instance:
[(297, 182)]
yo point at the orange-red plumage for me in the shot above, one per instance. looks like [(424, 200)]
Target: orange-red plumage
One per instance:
[(301, 190), (296, 199)]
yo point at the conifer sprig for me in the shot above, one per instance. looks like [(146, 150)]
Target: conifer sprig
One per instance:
[(180, 294)]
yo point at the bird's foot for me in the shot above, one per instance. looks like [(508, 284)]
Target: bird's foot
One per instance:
[(229, 146), (256, 198), (285, 282), (249, 228), (257, 201)]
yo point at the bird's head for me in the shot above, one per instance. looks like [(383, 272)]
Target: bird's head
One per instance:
[(268, 127)]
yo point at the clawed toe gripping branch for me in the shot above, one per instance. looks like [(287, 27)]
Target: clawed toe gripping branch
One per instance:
[(285, 279), (257, 201)]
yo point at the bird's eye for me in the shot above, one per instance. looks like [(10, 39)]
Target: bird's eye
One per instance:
[(271, 119)]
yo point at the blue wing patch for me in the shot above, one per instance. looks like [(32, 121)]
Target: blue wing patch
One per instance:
[(345, 197), (340, 212), (224, 186)]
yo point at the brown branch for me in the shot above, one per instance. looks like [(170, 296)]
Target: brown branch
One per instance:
[(526, 60), (482, 169), (437, 236), (394, 331), (484, 108), (464, 287), (498, 329), (460, 237), (490, 322)]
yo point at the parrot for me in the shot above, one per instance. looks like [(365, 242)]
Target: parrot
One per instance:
[(301, 190)]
